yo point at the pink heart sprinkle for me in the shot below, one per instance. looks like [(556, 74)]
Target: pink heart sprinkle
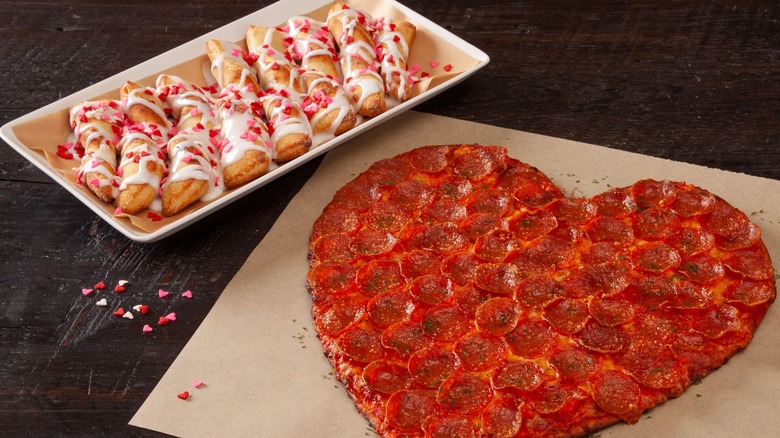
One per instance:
[(171, 316), (86, 291), (187, 294), (162, 294), (147, 328), (434, 64), (197, 383)]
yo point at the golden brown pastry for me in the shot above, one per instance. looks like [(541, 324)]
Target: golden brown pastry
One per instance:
[(97, 127), (141, 161), (394, 39), (275, 67), (193, 172), (230, 65), (326, 105), (358, 59)]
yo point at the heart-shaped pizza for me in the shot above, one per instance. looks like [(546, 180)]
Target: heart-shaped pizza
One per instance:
[(458, 293)]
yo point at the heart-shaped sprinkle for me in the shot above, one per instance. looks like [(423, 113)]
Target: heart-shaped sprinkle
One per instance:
[(141, 308), (128, 315), (162, 321), (162, 293), (147, 328), (119, 312), (171, 316), (102, 302), (99, 285), (187, 294), (197, 383), (122, 282), (183, 395), (86, 291), (119, 288)]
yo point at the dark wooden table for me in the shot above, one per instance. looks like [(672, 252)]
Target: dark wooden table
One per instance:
[(692, 81)]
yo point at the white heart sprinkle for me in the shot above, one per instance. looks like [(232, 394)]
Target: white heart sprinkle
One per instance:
[(122, 282), (128, 315), (102, 302)]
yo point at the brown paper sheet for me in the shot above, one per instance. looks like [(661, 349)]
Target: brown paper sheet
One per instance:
[(263, 368), (44, 134)]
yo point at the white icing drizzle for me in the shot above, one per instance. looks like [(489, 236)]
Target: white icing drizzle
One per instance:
[(285, 117), (393, 51), (271, 58), (358, 59), (232, 53), (102, 122), (242, 127)]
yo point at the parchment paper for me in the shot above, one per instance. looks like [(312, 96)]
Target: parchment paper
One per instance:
[(263, 368)]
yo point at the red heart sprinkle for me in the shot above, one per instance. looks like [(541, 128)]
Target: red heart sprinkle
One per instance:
[(163, 320), (184, 395), (99, 285), (119, 312), (119, 288)]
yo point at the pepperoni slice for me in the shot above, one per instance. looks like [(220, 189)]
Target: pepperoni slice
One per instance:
[(389, 308), (448, 426), (552, 397), (581, 283), (386, 216), (497, 316), (702, 269), (331, 277), (335, 220), (654, 291), (480, 351), (445, 323), (502, 418), (642, 351), (479, 224), (607, 229), (574, 364), (531, 339), (731, 224), (407, 409), (443, 238), (339, 316), (523, 375), (405, 338), (497, 203), (464, 393), (717, 321), (386, 377), (500, 278), (432, 289), (538, 195), (389, 172), (666, 372), (460, 267), (611, 311), (753, 263), (495, 245), (602, 338), (533, 225), (618, 394), (361, 345), (519, 175), (469, 298), (656, 224), (603, 252), (750, 293), (444, 210), (568, 316), (430, 159), (536, 292), (370, 242), (614, 277), (692, 241), (543, 255), (359, 194), (656, 258), (651, 193), (693, 202), (411, 195), (473, 164), (378, 276), (333, 248), (418, 263), (744, 238), (691, 296), (430, 366), (575, 210), (454, 187), (616, 203)]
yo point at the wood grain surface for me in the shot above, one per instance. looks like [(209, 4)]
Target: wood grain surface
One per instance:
[(691, 81)]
